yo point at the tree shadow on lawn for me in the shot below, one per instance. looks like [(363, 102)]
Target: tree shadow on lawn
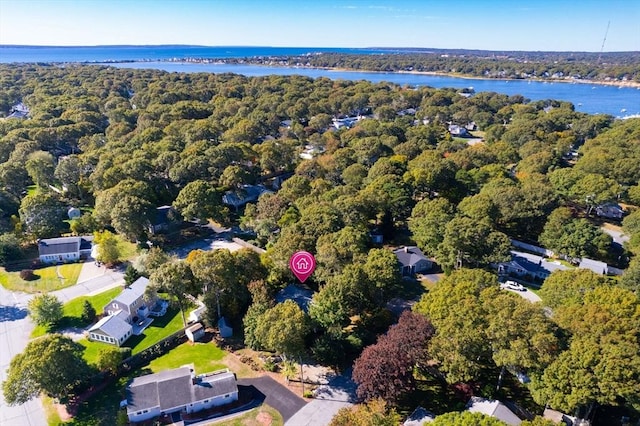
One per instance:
[(100, 404)]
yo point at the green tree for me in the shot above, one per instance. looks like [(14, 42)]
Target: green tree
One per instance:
[(199, 200), (130, 275), (602, 362), (88, 312), (150, 260), (108, 251), (45, 309), (573, 237), (566, 288), (472, 243), (9, 248), (40, 166), (109, 359), (283, 329), (460, 347), (52, 364), (130, 217), (175, 278), (466, 418), (69, 172), (428, 219), (374, 412), (42, 215), (381, 266), (631, 277)]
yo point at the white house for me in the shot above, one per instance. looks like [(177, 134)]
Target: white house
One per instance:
[(64, 249), (133, 303), (112, 329), (179, 390)]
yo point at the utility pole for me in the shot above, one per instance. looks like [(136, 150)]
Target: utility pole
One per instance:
[(604, 40)]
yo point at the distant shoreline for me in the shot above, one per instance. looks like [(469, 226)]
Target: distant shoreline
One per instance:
[(626, 83)]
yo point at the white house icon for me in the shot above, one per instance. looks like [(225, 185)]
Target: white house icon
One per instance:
[(302, 265)]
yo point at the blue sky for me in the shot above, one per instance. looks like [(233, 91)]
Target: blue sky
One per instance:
[(492, 25)]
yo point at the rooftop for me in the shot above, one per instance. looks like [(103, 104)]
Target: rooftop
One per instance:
[(174, 388), (112, 325), (133, 292)]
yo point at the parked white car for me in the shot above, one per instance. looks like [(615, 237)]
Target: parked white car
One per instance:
[(512, 285)]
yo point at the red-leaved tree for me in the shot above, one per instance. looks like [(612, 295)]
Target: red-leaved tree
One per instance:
[(385, 369)]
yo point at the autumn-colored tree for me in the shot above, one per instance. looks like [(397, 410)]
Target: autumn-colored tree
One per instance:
[(385, 369)]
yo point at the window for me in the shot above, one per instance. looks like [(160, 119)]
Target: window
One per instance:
[(206, 400), (226, 396)]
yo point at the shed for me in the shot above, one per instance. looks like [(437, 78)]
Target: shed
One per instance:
[(224, 329), (195, 332)]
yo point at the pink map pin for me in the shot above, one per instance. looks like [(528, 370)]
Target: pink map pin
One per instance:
[(302, 264)]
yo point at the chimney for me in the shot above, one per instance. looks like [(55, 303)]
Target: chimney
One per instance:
[(406, 249)]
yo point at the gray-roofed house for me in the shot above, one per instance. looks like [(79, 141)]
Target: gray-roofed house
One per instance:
[(419, 417), (529, 266), (162, 220), (302, 296), (111, 329), (412, 260), (244, 195), (133, 303), (494, 409), (64, 249), (596, 266), (610, 211), (179, 390)]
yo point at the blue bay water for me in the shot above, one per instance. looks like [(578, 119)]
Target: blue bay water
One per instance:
[(589, 98)]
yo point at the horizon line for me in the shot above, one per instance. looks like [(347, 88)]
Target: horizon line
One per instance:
[(407, 48)]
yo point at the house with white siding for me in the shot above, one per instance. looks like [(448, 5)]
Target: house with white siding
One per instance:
[(112, 329), (64, 249), (179, 390)]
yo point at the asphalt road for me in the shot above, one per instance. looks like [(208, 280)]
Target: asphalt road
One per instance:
[(277, 395), (15, 328)]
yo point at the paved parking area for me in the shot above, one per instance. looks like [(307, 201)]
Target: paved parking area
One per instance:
[(276, 395)]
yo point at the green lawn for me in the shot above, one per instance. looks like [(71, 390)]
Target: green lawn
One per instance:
[(73, 311), (254, 417), (127, 250), (102, 408), (159, 329), (205, 356), (48, 278)]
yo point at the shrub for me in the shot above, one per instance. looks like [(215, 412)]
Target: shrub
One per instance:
[(28, 275)]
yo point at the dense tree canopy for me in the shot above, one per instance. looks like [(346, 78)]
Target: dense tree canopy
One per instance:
[(52, 364)]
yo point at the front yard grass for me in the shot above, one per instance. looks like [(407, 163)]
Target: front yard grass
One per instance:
[(73, 311), (48, 278), (258, 416)]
